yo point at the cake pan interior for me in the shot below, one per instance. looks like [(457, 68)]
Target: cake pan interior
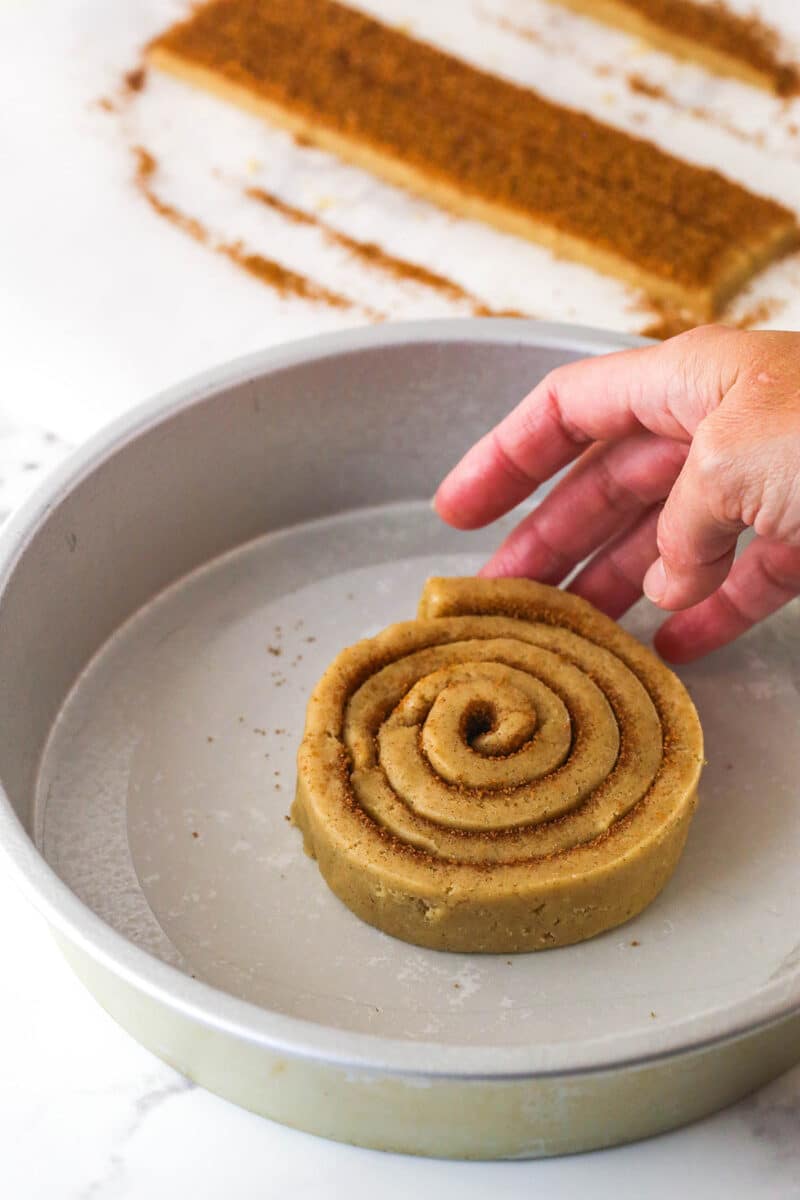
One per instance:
[(184, 586)]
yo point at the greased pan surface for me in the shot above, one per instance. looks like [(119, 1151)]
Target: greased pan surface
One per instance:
[(168, 600)]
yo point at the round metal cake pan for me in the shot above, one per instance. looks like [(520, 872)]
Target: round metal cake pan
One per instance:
[(166, 601)]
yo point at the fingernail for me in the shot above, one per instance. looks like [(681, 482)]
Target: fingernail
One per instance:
[(654, 585), (433, 504)]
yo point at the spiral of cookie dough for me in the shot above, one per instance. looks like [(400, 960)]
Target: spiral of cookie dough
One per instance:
[(511, 771)]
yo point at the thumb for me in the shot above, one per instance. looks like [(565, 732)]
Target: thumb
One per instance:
[(698, 527)]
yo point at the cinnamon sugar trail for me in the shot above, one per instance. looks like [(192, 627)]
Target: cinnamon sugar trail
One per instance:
[(284, 281), (723, 41), (638, 85), (146, 167), (134, 80), (281, 279), (481, 146), (372, 255)]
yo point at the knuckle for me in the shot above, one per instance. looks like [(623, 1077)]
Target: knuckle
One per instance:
[(780, 569), (715, 477), (766, 519), (671, 542), (505, 458), (621, 571), (555, 378), (698, 334), (678, 546), (774, 504), (704, 370), (735, 606), (512, 557), (615, 494), (527, 422), (553, 560), (551, 389), (711, 451)]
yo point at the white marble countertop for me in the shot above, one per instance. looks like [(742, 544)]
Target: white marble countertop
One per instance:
[(84, 1111)]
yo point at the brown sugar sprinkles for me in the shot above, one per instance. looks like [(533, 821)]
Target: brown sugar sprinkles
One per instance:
[(375, 258), (482, 147), (286, 282), (710, 34)]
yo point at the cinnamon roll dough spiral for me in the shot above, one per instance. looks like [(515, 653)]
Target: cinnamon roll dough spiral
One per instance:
[(509, 772)]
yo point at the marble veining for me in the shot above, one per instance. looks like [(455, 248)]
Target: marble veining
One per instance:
[(147, 1101), (772, 1118)]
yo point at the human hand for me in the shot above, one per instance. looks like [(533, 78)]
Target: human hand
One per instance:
[(679, 448)]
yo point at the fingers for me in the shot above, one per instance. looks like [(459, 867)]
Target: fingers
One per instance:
[(612, 581), (762, 580), (699, 527), (608, 489), (665, 389), (531, 444)]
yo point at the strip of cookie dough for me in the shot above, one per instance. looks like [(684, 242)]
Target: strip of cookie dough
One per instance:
[(724, 42), (482, 147)]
